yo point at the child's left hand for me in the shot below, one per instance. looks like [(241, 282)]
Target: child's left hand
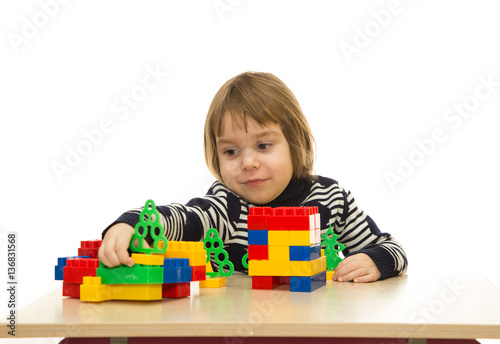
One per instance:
[(358, 268)]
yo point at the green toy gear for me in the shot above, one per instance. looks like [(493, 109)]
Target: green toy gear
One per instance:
[(332, 249), (213, 244), (244, 261), (149, 222)]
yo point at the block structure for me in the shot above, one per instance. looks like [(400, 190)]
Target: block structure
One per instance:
[(165, 269), (284, 247)]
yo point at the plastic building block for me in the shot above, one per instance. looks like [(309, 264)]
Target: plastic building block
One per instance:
[(267, 282), (257, 218), (77, 268), (304, 253), (61, 263), (194, 251), (301, 238), (147, 259), (275, 268), (292, 219), (329, 275), (317, 236), (138, 274), (176, 290), (213, 282), (198, 273), (71, 289), (89, 248), (258, 252), (208, 267), (279, 253), (332, 249), (176, 270), (92, 290), (307, 284), (215, 248), (138, 292), (149, 222), (278, 237), (258, 237)]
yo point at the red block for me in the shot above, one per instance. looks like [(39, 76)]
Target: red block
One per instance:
[(260, 252), (267, 282), (89, 248), (257, 217), (292, 219), (176, 289), (198, 273), (90, 244), (71, 289), (77, 268)]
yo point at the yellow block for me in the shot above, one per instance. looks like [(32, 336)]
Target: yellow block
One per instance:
[(148, 259), (93, 291), (139, 292), (194, 251), (279, 253), (274, 268), (213, 282), (301, 238), (209, 267), (278, 238), (329, 275)]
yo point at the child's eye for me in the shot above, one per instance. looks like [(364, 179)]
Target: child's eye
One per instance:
[(230, 152), (263, 146)]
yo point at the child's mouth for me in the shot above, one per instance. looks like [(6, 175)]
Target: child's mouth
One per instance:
[(254, 182)]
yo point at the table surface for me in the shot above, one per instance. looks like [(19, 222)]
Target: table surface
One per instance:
[(453, 306)]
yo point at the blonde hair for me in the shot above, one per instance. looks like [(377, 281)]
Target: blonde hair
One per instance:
[(265, 99)]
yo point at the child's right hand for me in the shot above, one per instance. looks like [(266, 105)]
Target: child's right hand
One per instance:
[(114, 246)]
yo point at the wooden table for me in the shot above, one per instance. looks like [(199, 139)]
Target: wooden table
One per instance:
[(454, 306)]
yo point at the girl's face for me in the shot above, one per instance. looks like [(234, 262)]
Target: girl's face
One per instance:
[(255, 164)]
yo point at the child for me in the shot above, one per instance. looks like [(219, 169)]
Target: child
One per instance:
[(259, 146)]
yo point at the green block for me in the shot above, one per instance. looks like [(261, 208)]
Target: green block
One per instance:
[(138, 274)]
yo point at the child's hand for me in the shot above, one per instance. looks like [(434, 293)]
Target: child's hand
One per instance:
[(113, 250), (358, 268)]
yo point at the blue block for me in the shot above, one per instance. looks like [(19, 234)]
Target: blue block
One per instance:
[(176, 270), (307, 284), (305, 253), (61, 263), (257, 237)]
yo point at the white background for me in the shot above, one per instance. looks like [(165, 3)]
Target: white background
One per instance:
[(65, 67)]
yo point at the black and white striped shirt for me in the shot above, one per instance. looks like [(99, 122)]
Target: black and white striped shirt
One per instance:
[(227, 212)]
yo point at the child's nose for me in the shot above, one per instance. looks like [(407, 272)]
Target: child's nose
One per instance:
[(249, 161)]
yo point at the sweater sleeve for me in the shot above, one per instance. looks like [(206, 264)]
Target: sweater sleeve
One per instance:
[(361, 234)]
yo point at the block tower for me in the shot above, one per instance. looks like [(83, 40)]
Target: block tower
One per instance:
[(284, 246)]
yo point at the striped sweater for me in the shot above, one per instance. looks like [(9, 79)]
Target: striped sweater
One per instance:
[(227, 212)]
